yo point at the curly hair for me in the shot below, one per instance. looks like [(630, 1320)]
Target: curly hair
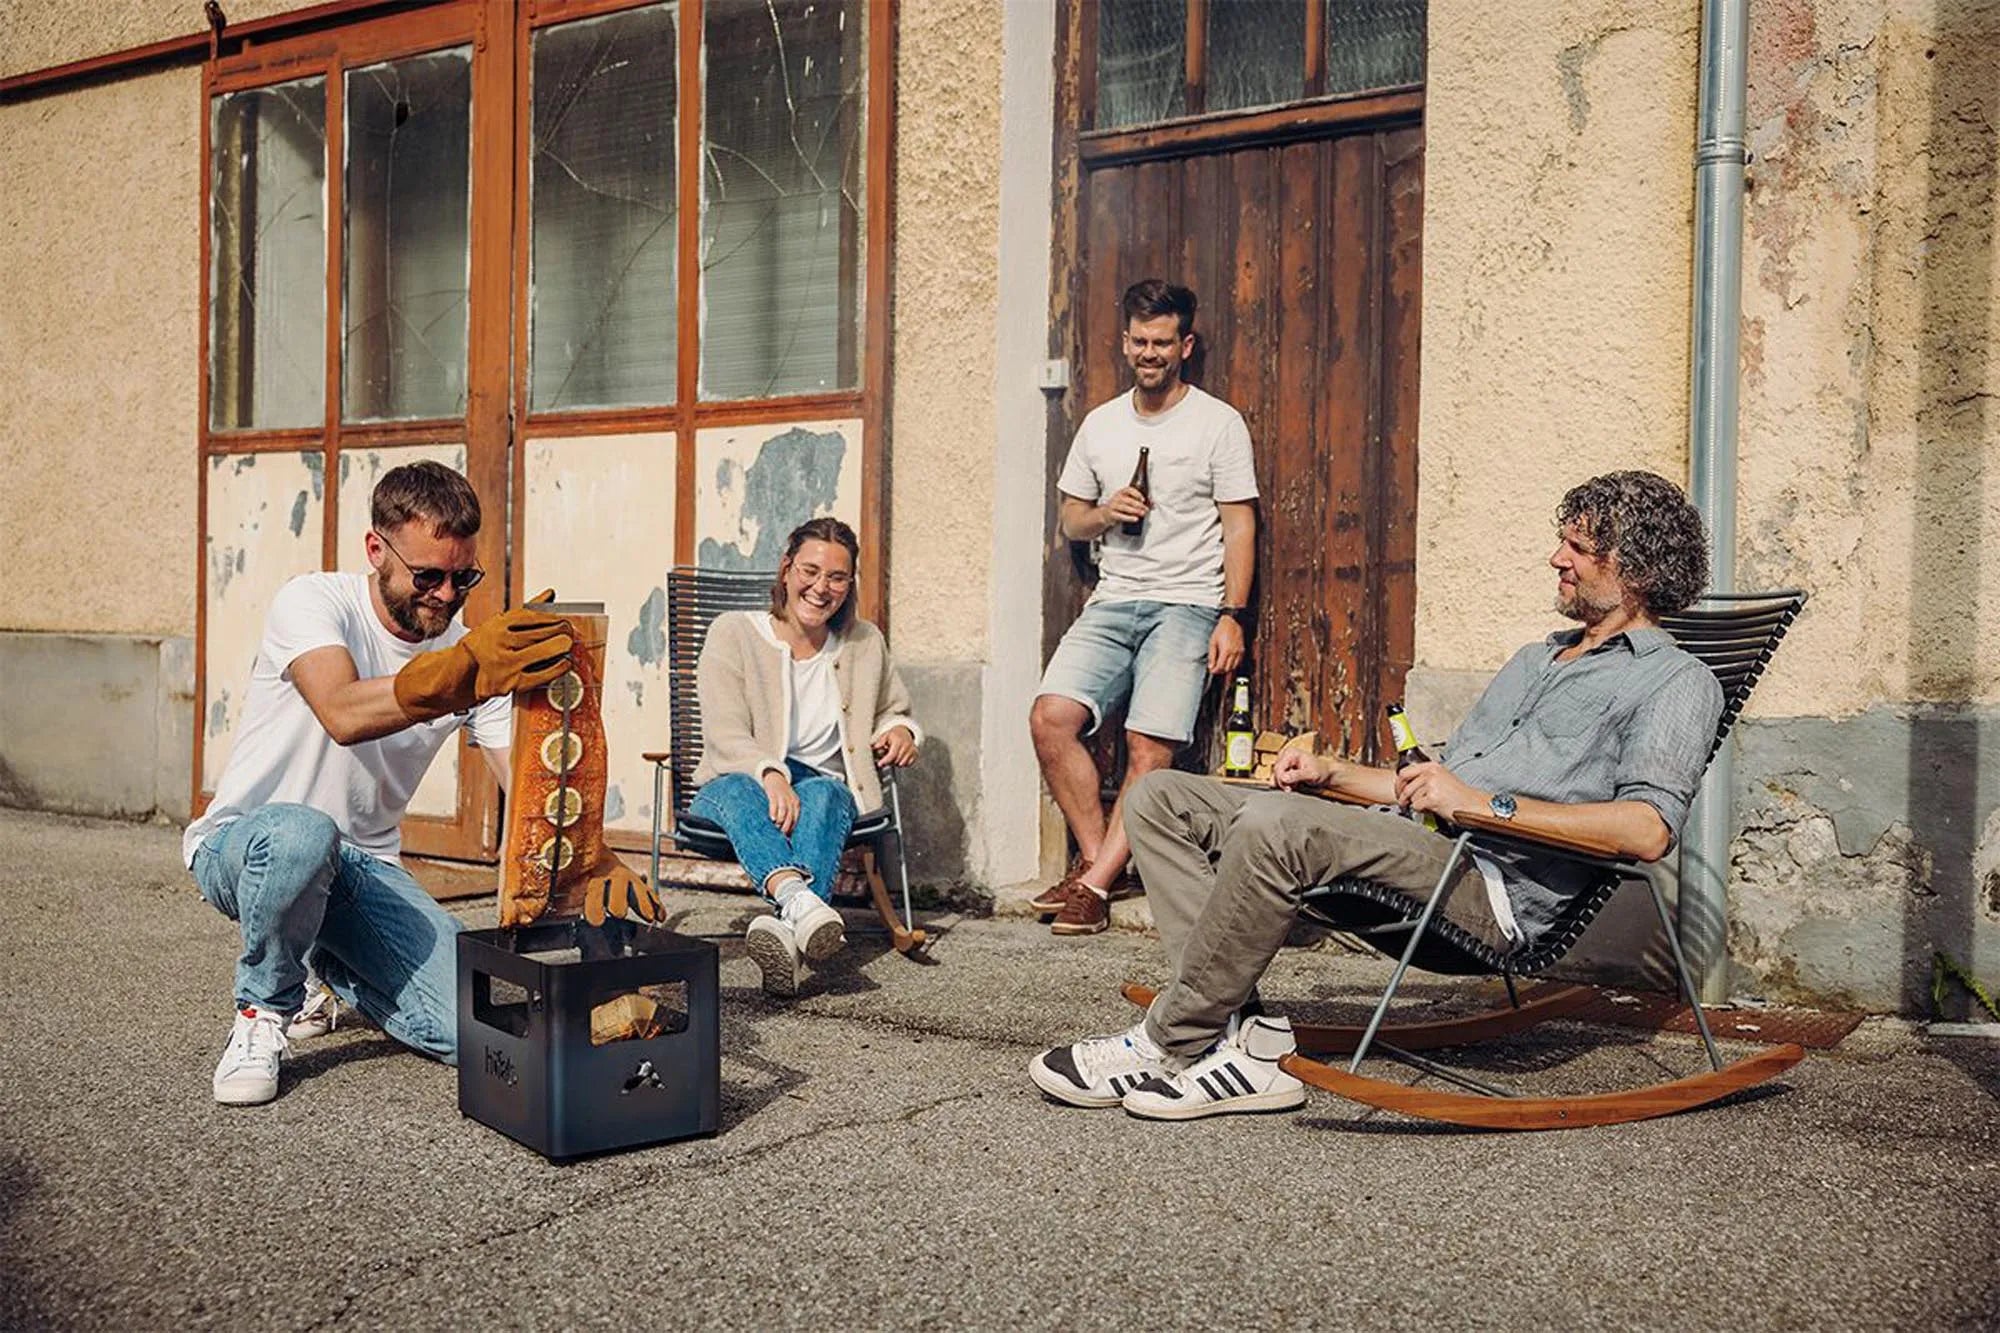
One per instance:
[(1647, 523), (823, 529)]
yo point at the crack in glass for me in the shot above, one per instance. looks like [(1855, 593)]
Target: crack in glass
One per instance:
[(267, 305), (782, 236)]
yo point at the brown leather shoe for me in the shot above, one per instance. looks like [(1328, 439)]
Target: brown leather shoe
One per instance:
[(1052, 898), (1084, 914)]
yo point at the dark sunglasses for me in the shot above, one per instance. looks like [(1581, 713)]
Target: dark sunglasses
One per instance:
[(429, 580)]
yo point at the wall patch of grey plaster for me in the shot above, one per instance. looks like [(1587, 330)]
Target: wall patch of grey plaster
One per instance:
[(315, 468), (218, 714), (796, 476), (648, 640), (614, 803), (299, 515)]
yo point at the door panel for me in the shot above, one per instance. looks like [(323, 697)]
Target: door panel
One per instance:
[(1306, 256)]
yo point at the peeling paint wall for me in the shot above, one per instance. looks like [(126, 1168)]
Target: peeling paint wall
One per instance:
[(754, 484), (1872, 449), (259, 536), (1557, 248), (99, 270), (597, 525), (946, 259)]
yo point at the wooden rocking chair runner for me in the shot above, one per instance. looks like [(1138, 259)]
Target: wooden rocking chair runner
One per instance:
[(695, 598), (1735, 636)]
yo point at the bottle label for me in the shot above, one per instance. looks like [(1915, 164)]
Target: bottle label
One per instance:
[(1238, 749), (1405, 735)]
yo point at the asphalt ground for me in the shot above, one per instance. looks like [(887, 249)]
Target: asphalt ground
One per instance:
[(883, 1161)]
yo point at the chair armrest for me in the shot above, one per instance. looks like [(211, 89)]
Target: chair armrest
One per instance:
[(1525, 832), (657, 756)]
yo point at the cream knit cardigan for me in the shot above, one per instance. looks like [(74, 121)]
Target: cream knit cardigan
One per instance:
[(746, 702)]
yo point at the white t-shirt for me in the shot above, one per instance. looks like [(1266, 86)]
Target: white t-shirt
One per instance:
[(282, 753), (815, 731), (1198, 457)]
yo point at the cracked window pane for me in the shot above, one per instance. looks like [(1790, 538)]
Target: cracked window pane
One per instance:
[(407, 252), (1374, 44), (1256, 53), (782, 197), (602, 233), (267, 285), (1141, 61)]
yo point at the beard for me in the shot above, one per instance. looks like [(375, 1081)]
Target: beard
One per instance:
[(1576, 606), (414, 616)]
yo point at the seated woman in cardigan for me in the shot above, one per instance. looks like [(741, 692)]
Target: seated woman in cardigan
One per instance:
[(798, 706)]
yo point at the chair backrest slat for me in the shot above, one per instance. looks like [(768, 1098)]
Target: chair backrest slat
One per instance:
[(695, 598)]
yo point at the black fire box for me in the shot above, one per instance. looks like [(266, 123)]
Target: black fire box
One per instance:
[(575, 1040)]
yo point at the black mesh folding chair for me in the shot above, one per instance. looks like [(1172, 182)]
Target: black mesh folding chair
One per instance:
[(1734, 634), (695, 597)]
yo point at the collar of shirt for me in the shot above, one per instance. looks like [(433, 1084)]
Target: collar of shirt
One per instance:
[(1641, 642)]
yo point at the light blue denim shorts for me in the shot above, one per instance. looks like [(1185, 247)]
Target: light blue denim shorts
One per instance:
[(1154, 653)]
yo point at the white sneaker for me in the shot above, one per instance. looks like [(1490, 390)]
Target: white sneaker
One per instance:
[(1240, 1074), (1100, 1071), (771, 946), (247, 1074), (816, 927), (321, 1015)]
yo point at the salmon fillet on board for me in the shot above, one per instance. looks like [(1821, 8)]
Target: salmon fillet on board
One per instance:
[(555, 808)]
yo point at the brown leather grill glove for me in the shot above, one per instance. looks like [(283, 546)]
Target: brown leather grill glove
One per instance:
[(515, 650), (612, 889)]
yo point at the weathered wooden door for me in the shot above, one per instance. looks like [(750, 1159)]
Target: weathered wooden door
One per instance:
[(1305, 251)]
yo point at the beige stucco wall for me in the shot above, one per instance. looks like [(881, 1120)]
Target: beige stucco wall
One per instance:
[(38, 35), (946, 256), (99, 256), (1871, 458), (1556, 258), (1556, 253)]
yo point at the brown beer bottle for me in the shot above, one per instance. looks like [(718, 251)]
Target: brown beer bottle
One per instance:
[(1141, 483), (1407, 750)]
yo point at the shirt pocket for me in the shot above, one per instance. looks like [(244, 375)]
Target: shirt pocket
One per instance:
[(1181, 483), (1568, 713)]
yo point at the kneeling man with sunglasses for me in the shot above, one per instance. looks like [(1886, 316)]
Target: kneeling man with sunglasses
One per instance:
[(358, 682)]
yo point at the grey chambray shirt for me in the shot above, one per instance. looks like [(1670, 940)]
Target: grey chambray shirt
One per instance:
[(1630, 720)]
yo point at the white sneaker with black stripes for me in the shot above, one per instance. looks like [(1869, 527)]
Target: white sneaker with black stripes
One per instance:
[(1240, 1074), (1100, 1071)]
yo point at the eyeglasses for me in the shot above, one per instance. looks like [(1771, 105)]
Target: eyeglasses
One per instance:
[(429, 580)]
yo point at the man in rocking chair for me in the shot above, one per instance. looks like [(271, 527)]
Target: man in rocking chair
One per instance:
[(1600, 731)]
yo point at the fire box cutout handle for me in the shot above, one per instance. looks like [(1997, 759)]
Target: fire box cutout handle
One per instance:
[(501, 1004)]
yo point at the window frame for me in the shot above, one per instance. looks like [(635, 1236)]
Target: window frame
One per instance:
[(1315, 106), (497, 425)]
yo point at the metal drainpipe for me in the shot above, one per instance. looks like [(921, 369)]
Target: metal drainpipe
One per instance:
[(1720, 159)]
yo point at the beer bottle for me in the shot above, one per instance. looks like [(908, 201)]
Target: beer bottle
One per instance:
[(1407, 750), (1239, 742), (1141, 483)]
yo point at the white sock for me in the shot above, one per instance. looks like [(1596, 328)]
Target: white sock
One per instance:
[(786, 889)]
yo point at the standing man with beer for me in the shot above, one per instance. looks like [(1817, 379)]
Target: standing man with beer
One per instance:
[(1178, 543)]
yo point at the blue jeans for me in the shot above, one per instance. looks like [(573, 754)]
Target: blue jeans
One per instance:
[(302, 896), (738, 803)]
